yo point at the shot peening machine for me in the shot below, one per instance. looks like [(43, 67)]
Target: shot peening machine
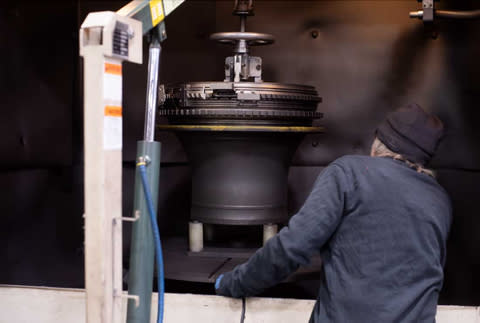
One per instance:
[(240, 135)]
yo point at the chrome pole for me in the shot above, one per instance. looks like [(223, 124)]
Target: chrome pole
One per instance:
[(152, 89)]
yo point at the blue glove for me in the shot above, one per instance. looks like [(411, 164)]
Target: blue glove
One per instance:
[(217, 282)]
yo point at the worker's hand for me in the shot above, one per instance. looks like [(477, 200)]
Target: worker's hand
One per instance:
[(217, 282)]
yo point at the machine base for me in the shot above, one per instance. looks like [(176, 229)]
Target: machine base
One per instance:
[(207, 265)]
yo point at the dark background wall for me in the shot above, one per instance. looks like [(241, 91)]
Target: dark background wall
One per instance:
[(368, 59)]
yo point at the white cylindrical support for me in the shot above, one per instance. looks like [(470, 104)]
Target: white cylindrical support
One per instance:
[(269, 231), (195, 236)]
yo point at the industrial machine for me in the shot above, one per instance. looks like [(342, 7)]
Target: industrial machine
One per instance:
[(240, 135)]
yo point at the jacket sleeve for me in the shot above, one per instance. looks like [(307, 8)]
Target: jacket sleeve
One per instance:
[(306, 233)]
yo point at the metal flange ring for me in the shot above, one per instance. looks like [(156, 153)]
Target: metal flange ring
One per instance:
[(241, 128), (252, 39)]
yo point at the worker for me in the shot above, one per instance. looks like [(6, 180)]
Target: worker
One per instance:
[(380, 224)]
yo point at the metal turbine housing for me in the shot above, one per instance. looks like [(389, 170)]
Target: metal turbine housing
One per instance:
[(240, 136)]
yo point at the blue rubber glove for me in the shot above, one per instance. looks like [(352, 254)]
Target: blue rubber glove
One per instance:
[(217, 282)]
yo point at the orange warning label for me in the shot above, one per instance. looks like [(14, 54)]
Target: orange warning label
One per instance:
[(113, 111), (114, 69)]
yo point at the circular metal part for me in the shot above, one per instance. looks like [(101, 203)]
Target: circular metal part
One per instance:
[(239, 178), (240, 103), (252, 39), (229, 128), (240, 138), (219, 116)]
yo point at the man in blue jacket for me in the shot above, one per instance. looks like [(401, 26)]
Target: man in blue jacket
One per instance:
[(380, 223)]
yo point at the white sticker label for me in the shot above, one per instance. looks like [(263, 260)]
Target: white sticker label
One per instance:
[(112, 133), (112, 87)]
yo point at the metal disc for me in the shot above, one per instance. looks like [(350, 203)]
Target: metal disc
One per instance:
[(253, 39), (240, 103)]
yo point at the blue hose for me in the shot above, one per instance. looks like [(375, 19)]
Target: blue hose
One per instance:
[(158, 243)]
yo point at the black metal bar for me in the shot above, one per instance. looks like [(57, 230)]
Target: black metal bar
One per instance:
[(448, 14), (473, 14)]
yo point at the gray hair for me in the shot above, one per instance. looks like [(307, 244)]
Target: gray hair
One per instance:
[(380, 150)]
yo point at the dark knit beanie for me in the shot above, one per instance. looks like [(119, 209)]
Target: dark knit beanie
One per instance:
[(412, 133)]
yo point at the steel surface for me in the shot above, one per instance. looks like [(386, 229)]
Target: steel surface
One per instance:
[(239, 178)]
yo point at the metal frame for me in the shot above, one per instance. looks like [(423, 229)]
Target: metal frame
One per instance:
[(106, 40)]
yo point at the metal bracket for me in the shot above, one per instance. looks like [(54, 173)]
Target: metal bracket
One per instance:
[(243, 67), (162, 31), (144, 159), (127, 296), (144, 12), (128, 218), (427, 14), (428, 7), (161, 95), (243, 7), (248, 96)]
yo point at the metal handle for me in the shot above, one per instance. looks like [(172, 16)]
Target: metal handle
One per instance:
[(474, 14), (252, 39)]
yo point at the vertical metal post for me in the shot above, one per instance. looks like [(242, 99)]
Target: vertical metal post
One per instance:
[(106, 40), (142, 248), (103, 194), (243, 23)]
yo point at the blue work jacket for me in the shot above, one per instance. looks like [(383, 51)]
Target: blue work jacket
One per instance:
[(380, 228)]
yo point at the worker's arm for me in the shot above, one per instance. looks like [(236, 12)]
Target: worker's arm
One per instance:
[(306, 233)]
